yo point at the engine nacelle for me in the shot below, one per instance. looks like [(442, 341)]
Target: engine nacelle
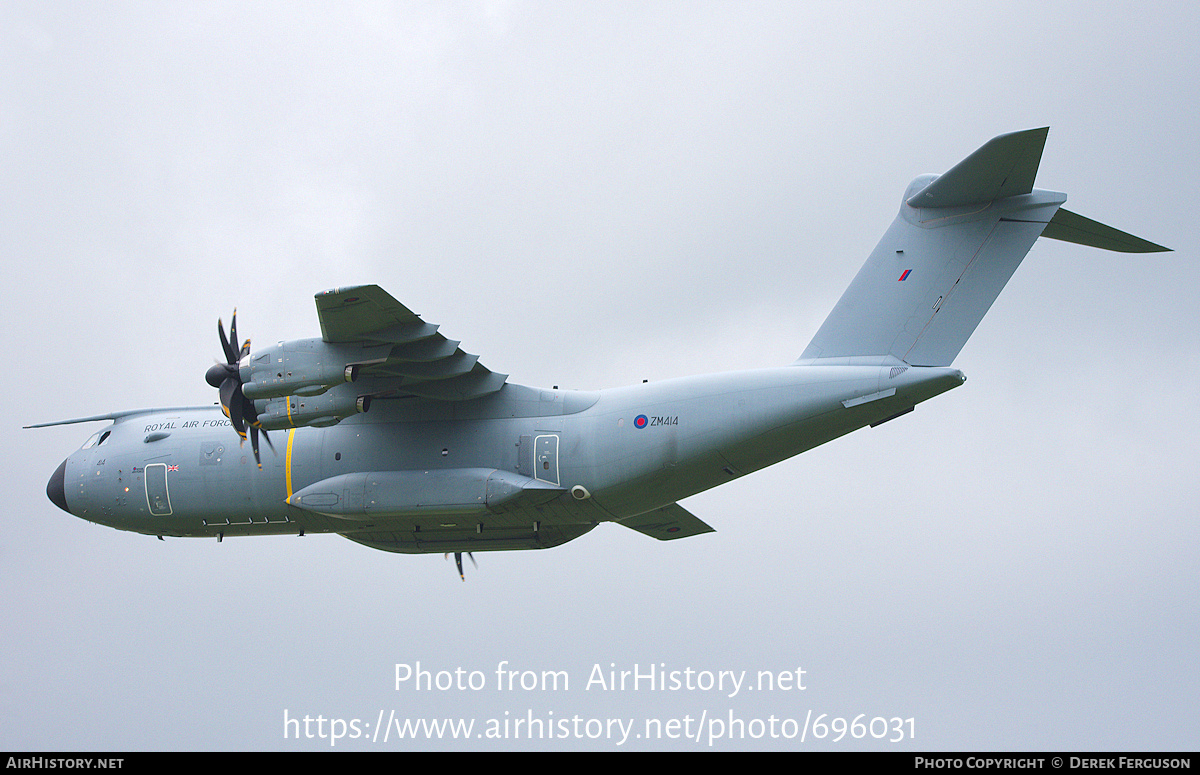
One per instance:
[(320, 411), (305, 367)]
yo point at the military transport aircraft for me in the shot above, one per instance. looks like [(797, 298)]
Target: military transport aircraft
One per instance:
[(396, 438)]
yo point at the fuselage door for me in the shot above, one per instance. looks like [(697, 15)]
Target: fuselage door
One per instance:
[(545, 459), (156, 490)]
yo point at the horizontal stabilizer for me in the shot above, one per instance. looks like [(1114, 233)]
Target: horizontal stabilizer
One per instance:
[(1004, 166), (668, 523), (1070, 227)]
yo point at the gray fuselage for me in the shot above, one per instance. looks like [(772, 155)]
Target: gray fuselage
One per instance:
[(520, 468)]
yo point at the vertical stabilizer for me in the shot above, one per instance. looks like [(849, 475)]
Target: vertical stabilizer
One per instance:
[(957, 240)]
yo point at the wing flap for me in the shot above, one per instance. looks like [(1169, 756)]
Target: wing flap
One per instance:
[(421, 362), (476, 383)]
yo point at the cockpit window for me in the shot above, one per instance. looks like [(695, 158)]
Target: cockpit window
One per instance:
[(97, 439)]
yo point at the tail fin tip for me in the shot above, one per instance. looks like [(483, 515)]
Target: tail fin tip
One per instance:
[(1002, 167)]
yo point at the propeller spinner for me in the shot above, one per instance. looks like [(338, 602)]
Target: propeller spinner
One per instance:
[(227, 378)]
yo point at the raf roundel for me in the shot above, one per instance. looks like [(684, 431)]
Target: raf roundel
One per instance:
[(640, 421)]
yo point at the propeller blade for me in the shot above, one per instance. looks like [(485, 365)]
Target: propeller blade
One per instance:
[(233, 402), (228, 387), (267, 439), (458, 562), (226, 348), (250, 413), (254, 445), (233, 337)]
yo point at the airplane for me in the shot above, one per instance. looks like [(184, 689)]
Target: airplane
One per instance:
[(394, 437)]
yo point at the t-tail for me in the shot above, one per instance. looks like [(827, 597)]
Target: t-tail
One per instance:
[(957, 240)]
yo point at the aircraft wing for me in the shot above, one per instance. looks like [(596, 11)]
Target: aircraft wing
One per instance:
[(421, 361)]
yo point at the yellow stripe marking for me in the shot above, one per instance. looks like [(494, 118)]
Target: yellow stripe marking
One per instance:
[(287, 465)]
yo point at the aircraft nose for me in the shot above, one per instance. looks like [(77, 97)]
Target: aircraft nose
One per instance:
[(56, 490)]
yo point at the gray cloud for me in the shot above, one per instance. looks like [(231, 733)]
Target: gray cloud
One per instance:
[(689, 186)]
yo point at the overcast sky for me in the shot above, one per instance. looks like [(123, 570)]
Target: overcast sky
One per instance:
[(679, 188)]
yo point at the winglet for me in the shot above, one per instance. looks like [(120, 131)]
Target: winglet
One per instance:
[(1004, 166)]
